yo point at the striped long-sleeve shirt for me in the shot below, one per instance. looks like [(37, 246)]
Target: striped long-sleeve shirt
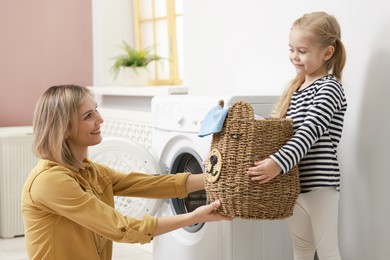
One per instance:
[(318, 115)]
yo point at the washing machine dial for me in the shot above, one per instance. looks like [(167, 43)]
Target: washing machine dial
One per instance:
[(181, 121), (195, 121)]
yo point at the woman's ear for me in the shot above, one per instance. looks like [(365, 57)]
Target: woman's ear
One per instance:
[(328, 53)]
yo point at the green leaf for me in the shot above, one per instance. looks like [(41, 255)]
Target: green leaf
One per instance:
[(133, 58)]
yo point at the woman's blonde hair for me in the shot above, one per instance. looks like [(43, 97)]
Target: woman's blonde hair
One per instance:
[(56, 113), (325, 30)]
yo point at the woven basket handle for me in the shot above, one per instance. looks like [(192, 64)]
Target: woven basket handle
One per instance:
[(240, 129), (240, 121)]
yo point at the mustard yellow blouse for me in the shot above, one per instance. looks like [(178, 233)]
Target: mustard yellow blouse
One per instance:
[(71, 215)]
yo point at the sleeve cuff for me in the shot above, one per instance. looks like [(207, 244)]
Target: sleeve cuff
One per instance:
[(180, 181), (144, 234), (279, 163)]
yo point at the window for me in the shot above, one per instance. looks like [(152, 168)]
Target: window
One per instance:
[(158, 25)]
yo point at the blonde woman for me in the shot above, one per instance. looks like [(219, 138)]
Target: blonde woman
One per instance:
[(68, 200), (316, 103)]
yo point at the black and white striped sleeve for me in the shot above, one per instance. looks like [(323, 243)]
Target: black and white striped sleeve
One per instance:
[(314, 112)]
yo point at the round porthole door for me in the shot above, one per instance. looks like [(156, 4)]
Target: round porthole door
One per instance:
[(188, 160), (126, 156)]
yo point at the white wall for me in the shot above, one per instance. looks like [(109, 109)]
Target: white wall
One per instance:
[(112, 23), (242, 46)]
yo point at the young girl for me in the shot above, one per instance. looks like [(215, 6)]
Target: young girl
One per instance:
[(316, 103), (68, 200)]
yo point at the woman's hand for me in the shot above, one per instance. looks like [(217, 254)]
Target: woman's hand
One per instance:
[(264, 171), (208, 213)]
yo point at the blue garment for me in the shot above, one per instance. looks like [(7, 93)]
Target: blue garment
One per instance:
[(213, 122)]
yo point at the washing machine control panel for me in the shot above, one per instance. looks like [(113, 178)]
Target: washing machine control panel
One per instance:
[(185, 113), (179, 117)]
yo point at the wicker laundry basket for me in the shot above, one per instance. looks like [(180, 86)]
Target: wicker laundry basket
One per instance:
[(242, 141)]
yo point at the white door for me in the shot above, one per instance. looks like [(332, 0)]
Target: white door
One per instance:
[(128, 156)]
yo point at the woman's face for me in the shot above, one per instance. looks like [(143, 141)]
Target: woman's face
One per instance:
[(88, 129)]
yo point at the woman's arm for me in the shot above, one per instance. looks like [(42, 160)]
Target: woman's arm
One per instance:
[(205, 213), (195, 182), (162, 186), (58, 193)]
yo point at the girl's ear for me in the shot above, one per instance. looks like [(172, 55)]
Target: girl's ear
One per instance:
[(328, 53)]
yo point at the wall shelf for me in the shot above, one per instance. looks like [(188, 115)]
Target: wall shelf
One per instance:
[(146, 91), (132, 98)]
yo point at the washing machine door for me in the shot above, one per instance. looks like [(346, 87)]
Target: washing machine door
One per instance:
[(188, 160), (127, 156)]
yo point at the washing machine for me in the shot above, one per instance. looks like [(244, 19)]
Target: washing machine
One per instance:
[(176, 121)]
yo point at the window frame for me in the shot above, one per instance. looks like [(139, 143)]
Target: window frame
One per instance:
[(171, 16)]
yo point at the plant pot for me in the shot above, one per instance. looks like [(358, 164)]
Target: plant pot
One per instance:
[(129, 76)]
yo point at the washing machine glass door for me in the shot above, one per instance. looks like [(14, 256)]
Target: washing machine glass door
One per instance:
[(189, 161), (126, 156)]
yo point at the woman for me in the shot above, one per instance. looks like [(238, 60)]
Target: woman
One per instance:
[(68, 200)]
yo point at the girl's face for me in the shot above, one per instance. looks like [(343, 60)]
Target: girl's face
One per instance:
[(307, 56), (88, 129)]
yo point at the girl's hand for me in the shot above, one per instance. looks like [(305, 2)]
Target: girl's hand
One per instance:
[(264, 171)]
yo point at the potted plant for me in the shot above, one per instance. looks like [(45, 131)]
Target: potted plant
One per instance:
[(131, 68)]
